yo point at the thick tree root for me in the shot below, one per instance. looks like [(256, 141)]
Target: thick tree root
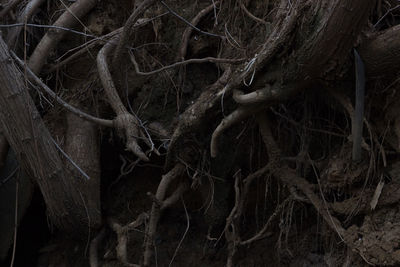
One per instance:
[(24, 17), (48, 43)]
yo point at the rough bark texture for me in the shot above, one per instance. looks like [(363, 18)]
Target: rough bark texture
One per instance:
[(37, 154), (381, 53), (259, 98)]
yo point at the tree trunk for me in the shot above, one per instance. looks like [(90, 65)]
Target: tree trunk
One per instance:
[(33, 145)]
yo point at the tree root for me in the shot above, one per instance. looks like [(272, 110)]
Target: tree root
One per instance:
[(122, 237), (291, 179), (125, 122), (188, 31), (94, 248), (10, 5), (128, 29), (276, 40), (4, 146), (50, 40), (26, 14), (238, 115), (160, 203), (35, 79), (84, 48), (196, 114), (248, 13), (258, 96), (263, 232), (183, 63)]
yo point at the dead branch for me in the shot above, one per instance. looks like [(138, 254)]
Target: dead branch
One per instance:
[(50, 40), (184, 234), (84, 49)]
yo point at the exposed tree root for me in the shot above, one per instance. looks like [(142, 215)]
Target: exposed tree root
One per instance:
[(289, 177), (122, 237), (160, 202), (3, 149), (128, 30), (297, 47), (125, 122), (24, 17), (255, 97), (84, 49), (183, 63), (11, 4), (77, 112), (50, 40), (248, 13), (195, 115), (235, 117), (188, 31), (283, 27), (94, 248)]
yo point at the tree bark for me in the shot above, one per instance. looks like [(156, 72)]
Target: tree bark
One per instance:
[(25, 130)]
